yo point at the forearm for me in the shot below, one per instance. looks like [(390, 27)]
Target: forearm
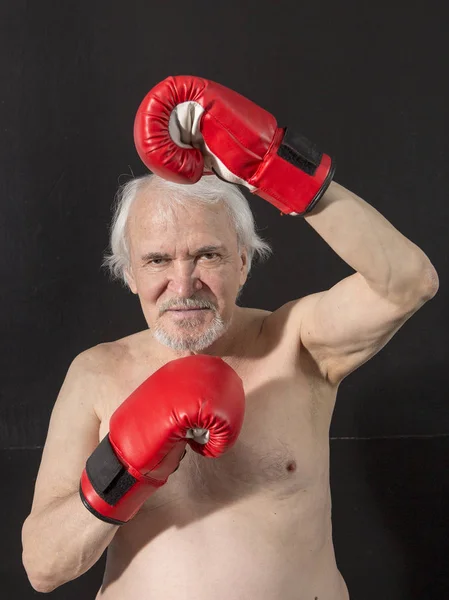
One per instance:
[(392, 264), (63, 542)]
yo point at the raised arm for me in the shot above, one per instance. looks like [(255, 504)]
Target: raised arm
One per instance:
[(346, 325)]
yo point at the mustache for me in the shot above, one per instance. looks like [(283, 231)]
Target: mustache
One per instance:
[(186, 303)]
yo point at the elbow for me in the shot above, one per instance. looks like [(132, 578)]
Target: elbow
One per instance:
[(428, 278), (433, 282), (430, 284), (38, 581), (424, 287), (39, 585), (39, 578), (421, 282)]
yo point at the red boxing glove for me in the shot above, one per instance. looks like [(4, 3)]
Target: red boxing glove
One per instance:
[(197, 400), (188, 126)]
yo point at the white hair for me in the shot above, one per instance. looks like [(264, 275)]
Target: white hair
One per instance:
[(208, 190)]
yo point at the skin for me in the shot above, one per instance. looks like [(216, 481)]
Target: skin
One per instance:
[(255, 522), (186, 278)]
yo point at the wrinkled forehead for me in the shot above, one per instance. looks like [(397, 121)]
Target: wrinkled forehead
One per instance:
[(152, 215)]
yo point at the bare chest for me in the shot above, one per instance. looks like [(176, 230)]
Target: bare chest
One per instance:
[(282, 447), (263, 507), (283, 444)]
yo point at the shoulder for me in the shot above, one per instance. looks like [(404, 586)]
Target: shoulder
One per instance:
[(282, 333), (286, 320), (106, 360), (251, 323), (99, 373), (99, 359)]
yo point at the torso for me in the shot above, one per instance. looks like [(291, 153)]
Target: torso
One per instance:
[(254, 523)]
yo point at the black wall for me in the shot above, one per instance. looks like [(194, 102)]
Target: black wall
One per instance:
[(368, 83)]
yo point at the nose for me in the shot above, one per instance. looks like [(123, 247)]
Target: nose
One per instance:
[(184, 279)]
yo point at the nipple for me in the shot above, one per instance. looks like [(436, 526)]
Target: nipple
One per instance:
[(291, 466)]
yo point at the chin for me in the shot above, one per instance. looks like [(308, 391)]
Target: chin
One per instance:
[(190, 339)]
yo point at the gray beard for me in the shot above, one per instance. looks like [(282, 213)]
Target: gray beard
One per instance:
[(191, 340)]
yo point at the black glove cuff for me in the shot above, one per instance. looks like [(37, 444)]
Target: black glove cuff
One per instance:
[(300, 152), (95, 513), (107, 474)]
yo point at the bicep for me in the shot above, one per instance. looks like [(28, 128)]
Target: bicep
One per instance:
[(346, 325), (72, 436)]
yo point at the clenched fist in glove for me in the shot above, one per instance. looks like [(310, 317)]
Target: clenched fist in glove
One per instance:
[(197, 400), (188, 126)]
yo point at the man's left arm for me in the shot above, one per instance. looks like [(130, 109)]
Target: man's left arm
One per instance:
[(346, 325), (223, 132)]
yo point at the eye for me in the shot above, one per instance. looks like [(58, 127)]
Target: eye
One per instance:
[(211, 254), (156, 261)]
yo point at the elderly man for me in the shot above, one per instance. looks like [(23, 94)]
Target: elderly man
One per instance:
[(250, 393)]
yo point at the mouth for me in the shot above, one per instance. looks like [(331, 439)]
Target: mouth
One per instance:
[(187, 311)]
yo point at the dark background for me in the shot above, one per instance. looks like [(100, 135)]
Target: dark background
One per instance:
[(368, 84)]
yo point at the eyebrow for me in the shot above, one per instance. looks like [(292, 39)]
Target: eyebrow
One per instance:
[(203, 250)]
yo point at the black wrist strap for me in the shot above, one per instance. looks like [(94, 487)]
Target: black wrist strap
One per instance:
[(300, 152), (107, 474)]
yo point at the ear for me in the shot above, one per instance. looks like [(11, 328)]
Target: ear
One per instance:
[(129, 277), (244, 266)]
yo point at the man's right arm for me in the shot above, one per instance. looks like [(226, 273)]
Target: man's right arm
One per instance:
[(61, 539), (147, 436)]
